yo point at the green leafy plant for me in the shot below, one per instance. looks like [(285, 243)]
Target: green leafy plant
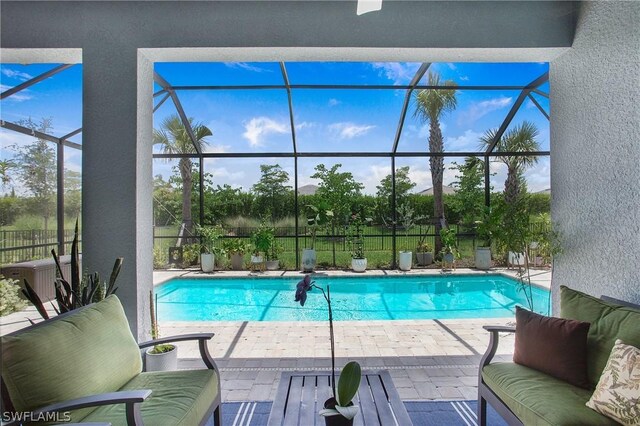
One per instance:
[(155, 333), (190, 254), (356, 235), (318, 216), (407, 220), (10, 300), (209, 236), (488, 226), (82, 290), (275, 250), (449, 239), (262, 239), (160, 257), (235, 246)]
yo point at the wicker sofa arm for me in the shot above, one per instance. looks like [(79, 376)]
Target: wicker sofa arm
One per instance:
[(202, 343), (132, 400)]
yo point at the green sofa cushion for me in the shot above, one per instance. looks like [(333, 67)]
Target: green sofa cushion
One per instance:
[(539, 399), (608, 323), (89, 351), (178, 398)]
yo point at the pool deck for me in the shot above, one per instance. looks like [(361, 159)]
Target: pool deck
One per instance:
[(427, 359)]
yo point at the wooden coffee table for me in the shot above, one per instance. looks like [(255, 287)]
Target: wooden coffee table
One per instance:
[(302, 394)]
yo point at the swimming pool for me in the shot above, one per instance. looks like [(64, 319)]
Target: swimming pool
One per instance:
[(352, 298)]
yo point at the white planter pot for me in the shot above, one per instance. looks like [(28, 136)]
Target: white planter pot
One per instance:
[(516, 259), (483, 258), (424, 258), (167, 361), (273, 265), (359, 265), (448, 258), (405, 260), (207, 262), (236, 262), (308, 260)]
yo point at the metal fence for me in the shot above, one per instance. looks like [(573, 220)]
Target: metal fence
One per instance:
[(32, 244)]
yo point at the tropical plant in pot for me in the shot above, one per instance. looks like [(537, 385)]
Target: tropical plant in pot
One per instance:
[(273, 262), (235, 249), (261, 239), (318, 216), (339, 409), (79, 290), (159, 357), (449, 246), (424, 252), (356, 241), (407, 219), (209, 236), (485, 231)]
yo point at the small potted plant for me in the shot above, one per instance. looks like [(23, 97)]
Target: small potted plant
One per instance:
[(356, 240), (407, 220), (261, 239), (209, 235), (449, 246), (485, 230), (235, 249), (339, 409), (318, 217), (424, 254), (273, 263), (159, 357)]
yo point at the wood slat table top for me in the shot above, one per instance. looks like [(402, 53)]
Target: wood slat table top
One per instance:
[(302, 394)]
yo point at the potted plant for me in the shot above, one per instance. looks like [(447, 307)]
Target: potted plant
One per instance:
[(235, 249), (261, 239), (273, 263), (317, 217), (339, 409), (407, 220), (449, 246), (209, 235), (485, 230), (356, 240), (424, 254), (159, 357), (190, 255)]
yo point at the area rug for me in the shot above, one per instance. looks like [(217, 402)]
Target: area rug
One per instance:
[(422, 413)]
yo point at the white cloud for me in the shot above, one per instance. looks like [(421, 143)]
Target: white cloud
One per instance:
[(259, 127), (16, 74), (468, 141), (305, 125), (480, 109), (223, 173), (334, 102), (398, 72), (19, 96), (348, 130), (245, 66), (218, 148)]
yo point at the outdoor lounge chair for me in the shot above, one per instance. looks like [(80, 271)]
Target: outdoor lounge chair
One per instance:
[(87, 366)]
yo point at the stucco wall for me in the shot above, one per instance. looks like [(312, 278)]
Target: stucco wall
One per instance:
[(595, 153)]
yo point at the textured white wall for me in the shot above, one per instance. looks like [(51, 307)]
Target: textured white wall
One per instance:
[(595, 153)]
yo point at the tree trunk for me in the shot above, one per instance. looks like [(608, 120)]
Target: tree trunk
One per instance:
[(437, 170), (186, 174), (511, 186)]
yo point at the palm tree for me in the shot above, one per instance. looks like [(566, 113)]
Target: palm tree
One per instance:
[(431, 104), (521, 138), (174, 139)]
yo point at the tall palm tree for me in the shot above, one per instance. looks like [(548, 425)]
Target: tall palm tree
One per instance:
[(521, 138), (174, 139), (431, 104)]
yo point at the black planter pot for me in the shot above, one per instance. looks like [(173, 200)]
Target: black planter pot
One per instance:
[(336, 420)]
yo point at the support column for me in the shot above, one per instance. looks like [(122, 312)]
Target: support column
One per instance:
[(117, 184)]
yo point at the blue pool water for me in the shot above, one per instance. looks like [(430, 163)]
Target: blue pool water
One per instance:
[(358, 298)]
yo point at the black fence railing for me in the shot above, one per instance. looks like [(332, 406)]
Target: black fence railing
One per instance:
[(32, 244)]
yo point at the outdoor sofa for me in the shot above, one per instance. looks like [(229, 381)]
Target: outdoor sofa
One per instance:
[(87, 366), (523, 395)]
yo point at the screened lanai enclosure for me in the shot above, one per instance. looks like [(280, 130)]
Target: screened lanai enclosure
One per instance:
[(347, 157)]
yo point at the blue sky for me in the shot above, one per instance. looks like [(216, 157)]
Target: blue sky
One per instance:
[(326, 120)]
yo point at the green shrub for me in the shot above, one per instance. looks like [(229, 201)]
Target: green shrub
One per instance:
[(190, 254), (160, 257), (10, 300)]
